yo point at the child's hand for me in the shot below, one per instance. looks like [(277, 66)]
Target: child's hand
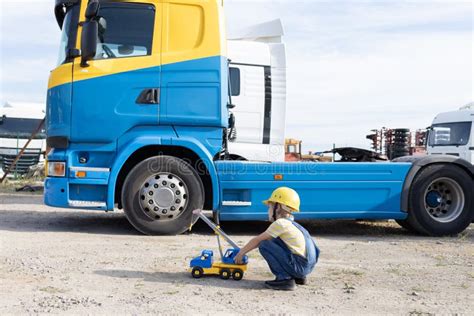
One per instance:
[(239, 259)]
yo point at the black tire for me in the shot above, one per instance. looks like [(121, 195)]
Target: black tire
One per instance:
[(419, 216), (406, 225), (398, 155), (197, 272), (148, 222), (237, 275), (225, 274)]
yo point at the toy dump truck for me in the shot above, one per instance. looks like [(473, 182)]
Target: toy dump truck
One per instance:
[(226, 268), (205, 265)]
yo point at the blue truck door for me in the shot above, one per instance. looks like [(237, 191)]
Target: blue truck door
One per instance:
[(120, 88)]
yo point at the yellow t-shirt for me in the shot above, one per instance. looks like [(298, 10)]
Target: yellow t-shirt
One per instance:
[(291, 236)]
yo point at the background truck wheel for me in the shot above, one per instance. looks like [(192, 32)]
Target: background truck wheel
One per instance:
[(238, 274), (197, 272), (159, 195), (225, 274), (441, 200)]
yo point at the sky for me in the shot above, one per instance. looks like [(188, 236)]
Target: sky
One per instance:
[(353, 65)]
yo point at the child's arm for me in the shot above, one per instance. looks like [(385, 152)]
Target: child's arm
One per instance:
[(251, 245)]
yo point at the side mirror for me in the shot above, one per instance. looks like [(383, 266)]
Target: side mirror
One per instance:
[(234, 76), (90, 31), (92, 9)]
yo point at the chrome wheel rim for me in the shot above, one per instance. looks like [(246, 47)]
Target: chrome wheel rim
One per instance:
[(444, 200), (163, 196)]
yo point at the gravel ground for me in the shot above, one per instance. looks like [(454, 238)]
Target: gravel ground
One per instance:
[(85, 262)]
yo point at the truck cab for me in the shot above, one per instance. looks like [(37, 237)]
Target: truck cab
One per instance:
[(205, 260), (452, 133), (137, 79), (17, 122), (258, 91)]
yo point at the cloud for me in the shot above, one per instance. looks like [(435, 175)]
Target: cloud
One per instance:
[(28, 22), (28, 48), (356, 94), (363, 65)]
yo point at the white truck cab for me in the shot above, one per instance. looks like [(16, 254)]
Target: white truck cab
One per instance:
[(452, 133), (258, 88), (17, 122)]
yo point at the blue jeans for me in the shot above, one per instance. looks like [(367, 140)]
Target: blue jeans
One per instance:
[(283, 263)]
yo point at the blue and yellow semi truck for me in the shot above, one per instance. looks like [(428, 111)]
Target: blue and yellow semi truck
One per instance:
[(138, 118)]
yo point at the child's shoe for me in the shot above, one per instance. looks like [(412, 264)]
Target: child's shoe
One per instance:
[(282, 285)]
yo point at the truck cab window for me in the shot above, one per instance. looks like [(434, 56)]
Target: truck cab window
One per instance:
[(125, 30), (14, 127), (450, 134)]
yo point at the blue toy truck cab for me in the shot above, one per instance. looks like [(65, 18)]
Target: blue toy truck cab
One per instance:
[(230, 254), (205, 260)]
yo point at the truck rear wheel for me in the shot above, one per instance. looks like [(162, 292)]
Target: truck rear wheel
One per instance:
[(159, 195), (237, 275), (441, 200), (225, 274)]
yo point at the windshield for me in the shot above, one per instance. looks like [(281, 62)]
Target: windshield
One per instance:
[(13, 127), (68, 34), (450, 134)]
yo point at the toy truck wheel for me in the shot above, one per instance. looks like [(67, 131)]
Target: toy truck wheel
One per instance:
[(238, 274), (159, 195), (441, 200), (197, 272), (225, 274)]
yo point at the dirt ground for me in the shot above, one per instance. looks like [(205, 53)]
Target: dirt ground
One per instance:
[(85, 262)]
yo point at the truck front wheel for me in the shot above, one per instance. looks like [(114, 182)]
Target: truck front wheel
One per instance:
[(405, 224), (159, 195), (441, 200)]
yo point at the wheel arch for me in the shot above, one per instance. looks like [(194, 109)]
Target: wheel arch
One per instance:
[(232, 157), (420, 163), (142, 148)]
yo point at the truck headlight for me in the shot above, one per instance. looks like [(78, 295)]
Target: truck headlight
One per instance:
[(56, 169)]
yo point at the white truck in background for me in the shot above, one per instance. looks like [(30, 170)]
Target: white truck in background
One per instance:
[(17, 122), (258, 89), (452, 133)]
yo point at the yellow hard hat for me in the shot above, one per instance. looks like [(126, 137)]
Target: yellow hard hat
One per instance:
[(285, 196)]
